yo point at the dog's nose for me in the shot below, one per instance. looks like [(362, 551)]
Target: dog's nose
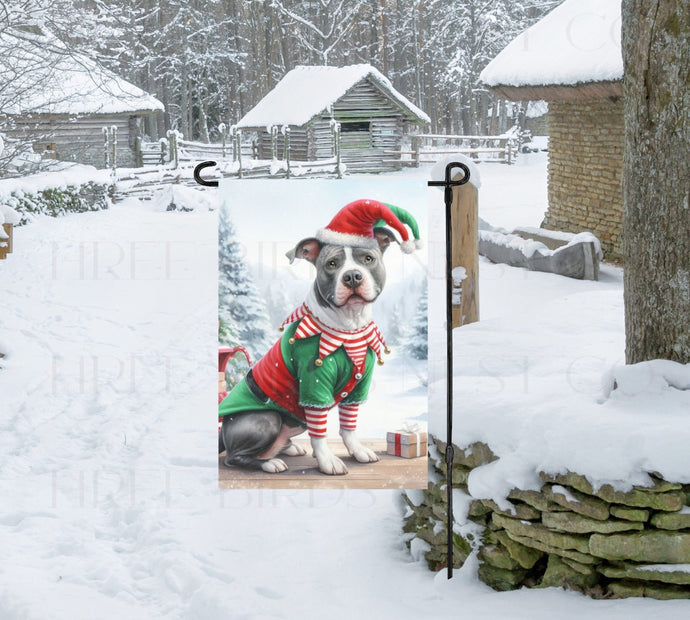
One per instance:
[(352, 278)]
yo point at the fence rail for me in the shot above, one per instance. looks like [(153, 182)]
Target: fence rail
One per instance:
[(238, 156), (429, 148)]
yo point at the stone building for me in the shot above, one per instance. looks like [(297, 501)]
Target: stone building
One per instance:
[(572, 59)]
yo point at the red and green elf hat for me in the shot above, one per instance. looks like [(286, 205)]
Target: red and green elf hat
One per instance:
[(354, 225)]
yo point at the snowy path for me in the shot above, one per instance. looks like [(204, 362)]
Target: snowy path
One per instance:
[(110, 507)]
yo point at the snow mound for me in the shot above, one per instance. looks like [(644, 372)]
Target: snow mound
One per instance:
[(66, 175), (653, 376), (8, 216), (182, 198)]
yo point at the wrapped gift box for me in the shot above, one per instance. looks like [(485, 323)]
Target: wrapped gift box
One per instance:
[(406, 444)]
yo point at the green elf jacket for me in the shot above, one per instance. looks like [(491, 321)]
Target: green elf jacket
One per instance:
[(296, 374)]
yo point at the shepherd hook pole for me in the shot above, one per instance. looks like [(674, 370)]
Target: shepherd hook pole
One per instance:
[(448, 184)]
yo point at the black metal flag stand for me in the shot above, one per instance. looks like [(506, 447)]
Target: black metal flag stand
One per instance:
[(448, 185), (197, 174)]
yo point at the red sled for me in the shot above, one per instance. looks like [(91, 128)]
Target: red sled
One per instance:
[(224, 355)]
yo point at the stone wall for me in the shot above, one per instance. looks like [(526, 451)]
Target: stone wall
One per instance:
[(602, 542), (585, 168)]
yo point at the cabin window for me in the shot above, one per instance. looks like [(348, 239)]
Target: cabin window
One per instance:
[(354, 126), (355, 135)]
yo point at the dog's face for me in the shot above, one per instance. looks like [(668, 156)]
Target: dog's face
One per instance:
[(347, 278)]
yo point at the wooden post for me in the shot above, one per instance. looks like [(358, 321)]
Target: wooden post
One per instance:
[(172, 138), (106, 150), (6, 244), (113, 147), (274, 142), (138, 154), (286, 151), (465, 251), (415, 147), (221, 129), (335, 129), (238, 138)]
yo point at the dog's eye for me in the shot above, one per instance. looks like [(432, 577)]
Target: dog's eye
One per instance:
[(332, 264), (368, 258)]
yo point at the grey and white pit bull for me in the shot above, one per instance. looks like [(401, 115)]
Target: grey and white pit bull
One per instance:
[(324, 358)]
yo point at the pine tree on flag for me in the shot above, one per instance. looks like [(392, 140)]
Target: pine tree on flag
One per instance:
[(241, 310)]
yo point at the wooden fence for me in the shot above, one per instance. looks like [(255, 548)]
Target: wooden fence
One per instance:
[(429, 148), (238, 156)]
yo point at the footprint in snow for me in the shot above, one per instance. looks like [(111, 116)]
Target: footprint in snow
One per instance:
[(268, 593)]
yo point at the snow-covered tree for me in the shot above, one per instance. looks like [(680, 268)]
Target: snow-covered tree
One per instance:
[(395, 329), (417, 340), (320, 26), (241, 311), (210, 61)]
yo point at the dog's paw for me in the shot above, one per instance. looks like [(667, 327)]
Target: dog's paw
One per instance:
[(331, 465), (274, 466), (356, 449), (292, 449), (364, 455)]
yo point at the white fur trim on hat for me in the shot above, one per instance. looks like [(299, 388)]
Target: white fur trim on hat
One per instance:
[(326, 235), (408, 246), (418, 244)]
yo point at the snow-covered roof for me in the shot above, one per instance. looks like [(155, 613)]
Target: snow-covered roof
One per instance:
[(307, 91), (47, 78), (576, 43)]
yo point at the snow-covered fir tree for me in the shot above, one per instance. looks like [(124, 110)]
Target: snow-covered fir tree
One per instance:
[(395, 330), (241, 310), (416, 343)]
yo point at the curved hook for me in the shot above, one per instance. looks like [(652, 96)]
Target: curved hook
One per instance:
[(197, 175), (448, 183), (465, 169)]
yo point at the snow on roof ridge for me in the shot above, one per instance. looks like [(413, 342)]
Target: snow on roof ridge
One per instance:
[(296, 99), (55, 80), (577, 42)]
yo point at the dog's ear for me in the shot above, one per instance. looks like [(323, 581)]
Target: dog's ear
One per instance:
[(307, 249), (384, 237)]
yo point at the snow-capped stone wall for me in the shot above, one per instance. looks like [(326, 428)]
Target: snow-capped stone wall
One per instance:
[(585, 170), (602, 542)]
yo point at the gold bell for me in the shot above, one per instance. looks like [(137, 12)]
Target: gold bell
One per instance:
[(387, 351), (318, 362), (380, 362), (291, 341), (281, 329)]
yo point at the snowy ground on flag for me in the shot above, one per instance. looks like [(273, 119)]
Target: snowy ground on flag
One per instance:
[(110, 506)]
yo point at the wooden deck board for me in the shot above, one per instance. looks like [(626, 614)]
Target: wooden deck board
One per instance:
[(390, 472)]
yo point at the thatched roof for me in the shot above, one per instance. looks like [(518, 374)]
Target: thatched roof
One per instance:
[(42, 76), (573, 53)]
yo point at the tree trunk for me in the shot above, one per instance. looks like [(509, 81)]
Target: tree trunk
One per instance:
[(656, 179)]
